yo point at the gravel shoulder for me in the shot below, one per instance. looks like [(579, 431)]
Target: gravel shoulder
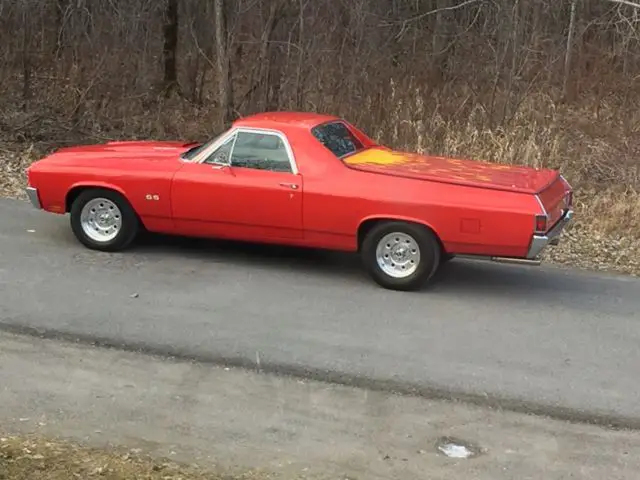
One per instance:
[(252, 425)]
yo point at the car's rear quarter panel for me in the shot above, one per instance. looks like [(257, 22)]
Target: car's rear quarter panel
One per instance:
[(467, 220)]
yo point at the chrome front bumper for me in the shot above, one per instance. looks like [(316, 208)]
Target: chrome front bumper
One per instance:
[(540, 242), (32, 193)]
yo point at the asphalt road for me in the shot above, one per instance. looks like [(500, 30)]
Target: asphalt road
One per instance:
[(547, 340)]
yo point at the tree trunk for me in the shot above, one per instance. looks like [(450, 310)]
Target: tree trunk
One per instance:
[(26, 57), (170, 47), (222, 63), (569, 51), (60, 7)]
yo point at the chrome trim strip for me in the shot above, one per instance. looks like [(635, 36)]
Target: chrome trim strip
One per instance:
[(517, 261), (567, 184), (544, 210), (506, 260), (202, 156), (540, 242), (32, 193)]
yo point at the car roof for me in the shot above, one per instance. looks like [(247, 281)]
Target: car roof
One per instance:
[(283, 118)]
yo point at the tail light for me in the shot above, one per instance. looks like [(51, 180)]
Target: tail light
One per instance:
[(542, 222), (28, 175), (568, 196), (569, 199)]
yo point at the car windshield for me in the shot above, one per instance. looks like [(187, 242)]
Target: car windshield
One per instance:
[(337, 138), (193, 151)]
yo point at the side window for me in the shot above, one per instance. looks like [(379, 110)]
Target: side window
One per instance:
[(222, 153), (261, 151)]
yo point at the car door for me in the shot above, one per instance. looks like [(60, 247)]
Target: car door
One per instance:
[(247, 188)]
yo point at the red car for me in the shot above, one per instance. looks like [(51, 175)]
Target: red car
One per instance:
[(309, 180)]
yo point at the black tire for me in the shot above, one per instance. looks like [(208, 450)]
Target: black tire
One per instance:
[(446, 258), (130, 223), (429, 248)]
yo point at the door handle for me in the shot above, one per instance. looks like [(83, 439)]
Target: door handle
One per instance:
[(293, 186)]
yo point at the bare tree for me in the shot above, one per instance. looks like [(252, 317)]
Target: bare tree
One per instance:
[(569, 50), (626, 2), (223, 62), (26, 55), (169, 51), (395, 67)]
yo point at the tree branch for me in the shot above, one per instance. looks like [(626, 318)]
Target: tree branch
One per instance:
[(438, 10), (626, 2)]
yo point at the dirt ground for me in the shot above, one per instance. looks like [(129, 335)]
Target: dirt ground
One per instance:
[(33, 458)]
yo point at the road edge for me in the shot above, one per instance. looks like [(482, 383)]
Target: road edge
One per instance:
[(607, 420)]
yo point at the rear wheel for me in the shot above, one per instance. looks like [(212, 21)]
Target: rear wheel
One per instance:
[(103, 220), (400, 255)]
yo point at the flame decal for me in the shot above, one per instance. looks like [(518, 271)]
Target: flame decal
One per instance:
[(383, 160)]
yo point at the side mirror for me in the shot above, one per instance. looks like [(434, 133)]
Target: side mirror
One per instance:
[(225, 167)]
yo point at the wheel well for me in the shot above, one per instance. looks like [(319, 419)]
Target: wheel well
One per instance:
[(72, 195), (76, 191), (365, 227)]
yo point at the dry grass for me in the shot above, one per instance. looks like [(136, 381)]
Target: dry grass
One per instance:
[(33, 458)]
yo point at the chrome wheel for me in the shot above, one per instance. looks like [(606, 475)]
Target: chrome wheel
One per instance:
[(398, 255), (101, 220)]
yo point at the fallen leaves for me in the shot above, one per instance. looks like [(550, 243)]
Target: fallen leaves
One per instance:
[(584, 249), (31, 458), (13, 178)]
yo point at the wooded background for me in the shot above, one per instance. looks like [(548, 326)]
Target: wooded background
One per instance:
[(541, 82)]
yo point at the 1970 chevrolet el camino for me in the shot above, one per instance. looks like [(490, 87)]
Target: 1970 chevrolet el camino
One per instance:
[(311, 180)]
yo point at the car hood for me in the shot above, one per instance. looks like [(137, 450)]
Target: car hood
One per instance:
[(139, 150), (472, 173)]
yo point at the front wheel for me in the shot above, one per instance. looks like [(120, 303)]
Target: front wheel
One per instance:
[(103, 220), (400, 255)]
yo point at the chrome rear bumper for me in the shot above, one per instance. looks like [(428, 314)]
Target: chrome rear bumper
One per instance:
[(32, 193), (540, 242)]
